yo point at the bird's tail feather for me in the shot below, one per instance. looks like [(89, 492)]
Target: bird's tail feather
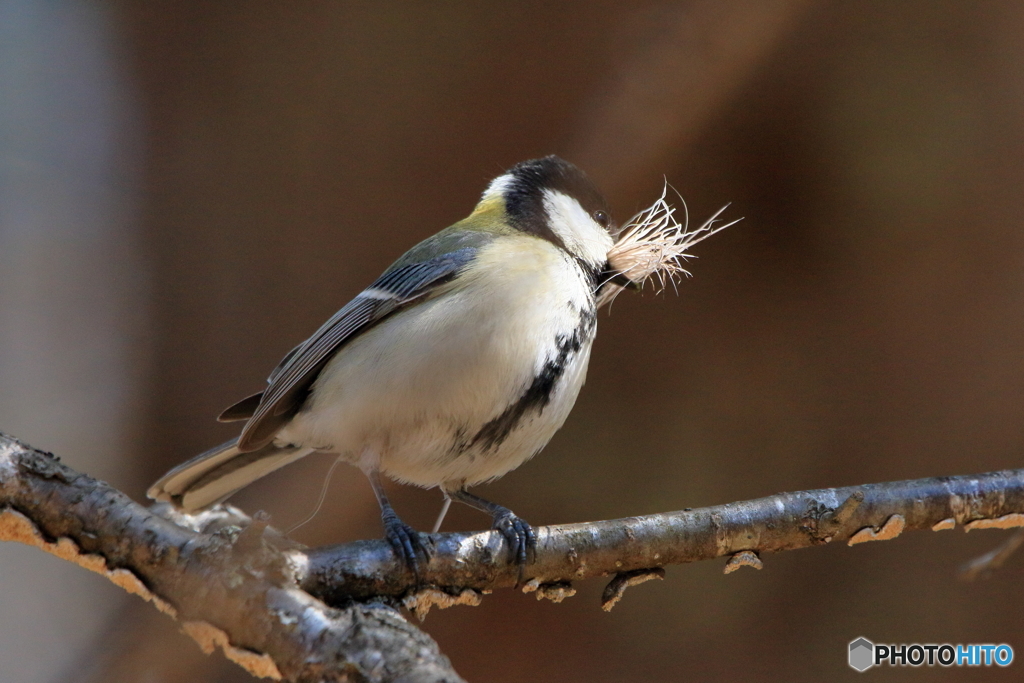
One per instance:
[(214, 475)]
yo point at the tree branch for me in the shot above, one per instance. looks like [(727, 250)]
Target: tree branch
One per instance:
[(631, 546), (230, 588), (234, 582)]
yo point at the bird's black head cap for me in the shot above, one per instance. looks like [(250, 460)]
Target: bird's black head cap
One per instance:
[(524, 194)]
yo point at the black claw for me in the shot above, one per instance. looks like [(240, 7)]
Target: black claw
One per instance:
[(522, 541), (518, 534), (405, 541)]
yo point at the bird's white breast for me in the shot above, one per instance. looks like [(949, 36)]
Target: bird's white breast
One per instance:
[(413, 394)]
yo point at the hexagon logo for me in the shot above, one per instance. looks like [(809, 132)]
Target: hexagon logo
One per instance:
[(862, 654)]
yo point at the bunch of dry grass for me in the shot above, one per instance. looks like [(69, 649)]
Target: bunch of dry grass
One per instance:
[(653, 245)]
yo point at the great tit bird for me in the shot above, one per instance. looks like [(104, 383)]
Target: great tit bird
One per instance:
[(455, 366)]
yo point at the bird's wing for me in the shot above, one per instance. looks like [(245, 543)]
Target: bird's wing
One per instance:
[(289, 383), (246, 408)]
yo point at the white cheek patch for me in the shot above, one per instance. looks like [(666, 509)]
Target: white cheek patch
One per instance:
[(580, 233)]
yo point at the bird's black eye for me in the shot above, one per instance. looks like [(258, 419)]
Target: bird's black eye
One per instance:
[(602, 218)]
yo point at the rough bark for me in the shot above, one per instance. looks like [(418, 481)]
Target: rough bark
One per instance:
[(328, 614), (785, 521), (229, 587)]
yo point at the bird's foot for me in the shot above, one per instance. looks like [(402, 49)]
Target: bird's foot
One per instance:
[(405, 541), (518, 534), (521, 539)]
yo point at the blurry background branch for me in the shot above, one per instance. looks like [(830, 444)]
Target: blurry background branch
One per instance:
[(233, 582)]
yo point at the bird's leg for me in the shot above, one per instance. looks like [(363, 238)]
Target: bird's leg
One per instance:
[(404, 540), (444, 511), (518, 534)]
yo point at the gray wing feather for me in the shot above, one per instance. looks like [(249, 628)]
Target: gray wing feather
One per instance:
[(284, 361), (246, 408), (242, 410), (290, 381)]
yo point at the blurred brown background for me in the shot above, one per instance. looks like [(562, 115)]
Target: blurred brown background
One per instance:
[(189, 189)]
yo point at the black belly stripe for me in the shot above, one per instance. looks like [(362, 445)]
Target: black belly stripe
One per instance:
[(538, 394)]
